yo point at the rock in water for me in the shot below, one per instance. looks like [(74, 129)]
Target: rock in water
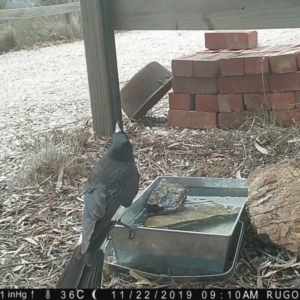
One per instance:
[(166, 198), (198, 215), (274, 203)]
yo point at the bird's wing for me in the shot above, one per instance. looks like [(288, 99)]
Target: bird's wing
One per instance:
[(95, 202), (101, 202)]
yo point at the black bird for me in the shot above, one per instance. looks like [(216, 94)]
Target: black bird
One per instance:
[(109, 190)]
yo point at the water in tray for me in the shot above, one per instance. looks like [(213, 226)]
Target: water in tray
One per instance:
[(206, 214), (228, 201)]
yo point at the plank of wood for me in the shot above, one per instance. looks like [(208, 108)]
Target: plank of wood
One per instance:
[(99, 43), (205, 14), (42, 11), (112, 60), (69, 16)]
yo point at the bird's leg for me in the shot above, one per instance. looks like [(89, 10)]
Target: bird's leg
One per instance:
[(130, 228)]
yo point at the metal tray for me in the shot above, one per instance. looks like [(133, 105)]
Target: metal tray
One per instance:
[(177, 253), (165, 279)]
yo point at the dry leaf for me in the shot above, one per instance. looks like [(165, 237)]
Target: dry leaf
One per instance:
[(22, 218), (238, 174), (79, 199), (137, 276), (31, 241), (18, 268), (261, 149), (19, 250), (42, 266), (140, 279), (259, 282), (6, 219), (59, 182)]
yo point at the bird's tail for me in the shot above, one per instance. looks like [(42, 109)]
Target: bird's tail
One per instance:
[(78, 274)]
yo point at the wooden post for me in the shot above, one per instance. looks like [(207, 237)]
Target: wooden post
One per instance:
[(112, 58), (101, 63), (68, 15)]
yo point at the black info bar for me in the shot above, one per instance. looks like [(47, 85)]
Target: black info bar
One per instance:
[(148, 294)]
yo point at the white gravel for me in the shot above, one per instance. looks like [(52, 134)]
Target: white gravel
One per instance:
[(47, 87)]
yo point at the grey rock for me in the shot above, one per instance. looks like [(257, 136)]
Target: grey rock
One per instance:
[(166, 198)]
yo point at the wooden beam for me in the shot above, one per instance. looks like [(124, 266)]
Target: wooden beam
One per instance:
[(101, 65), (205, 14)]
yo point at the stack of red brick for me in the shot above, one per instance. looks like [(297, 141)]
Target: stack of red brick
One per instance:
[(233, 80)]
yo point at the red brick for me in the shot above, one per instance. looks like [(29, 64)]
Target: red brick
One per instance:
[(233, 119), (207, 51), (298, 60), (297, 98), (208, 103), (269, 49), (256, 63), (207, 67), (231, 39), (278, 48), (287, 117), (205, 54), (291, 49), (183, 66), (280, 101), (284, 82), (243, 84), (192, 119), (230, 102), (239, 51), (297, 48), (207, 86), (181, 101), (257, 101), (215, 40), (283, 62), (256, 50), (232, 65)]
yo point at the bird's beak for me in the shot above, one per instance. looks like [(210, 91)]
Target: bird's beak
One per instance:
[(118, 129)]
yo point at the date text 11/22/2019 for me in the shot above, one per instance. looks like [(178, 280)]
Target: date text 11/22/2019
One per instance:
[(207, 294)]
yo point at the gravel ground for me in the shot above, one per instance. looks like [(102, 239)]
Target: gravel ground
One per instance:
[(44, 88)]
